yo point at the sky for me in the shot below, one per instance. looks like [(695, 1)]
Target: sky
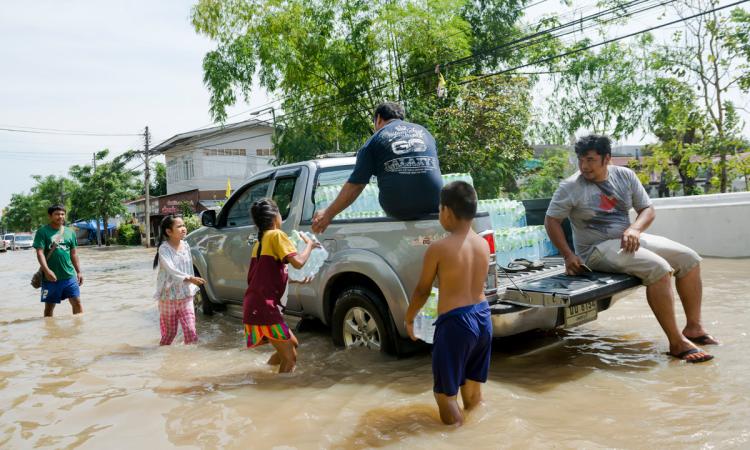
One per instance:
[(112, 68), (96, 66)]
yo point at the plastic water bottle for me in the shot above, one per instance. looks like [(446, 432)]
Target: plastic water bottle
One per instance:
[(424, 323), (317, 257)]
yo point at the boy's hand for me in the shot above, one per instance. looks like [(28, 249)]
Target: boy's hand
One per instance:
[(50, 275), (410, 330), (80, 278), (196, 281)]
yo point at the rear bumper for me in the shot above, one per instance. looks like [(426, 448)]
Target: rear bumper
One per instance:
[(509, 319)]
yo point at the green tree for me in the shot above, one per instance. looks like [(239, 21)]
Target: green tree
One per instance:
[(19, 214), (333, 61), (603, 91), (159, 185), (103, 189), (483, 134), (29, 211), (679, 124), (542, 182), (711, 52)]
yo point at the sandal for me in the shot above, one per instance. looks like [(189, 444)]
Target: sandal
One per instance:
[(512, 268), (706, 339), (692, 351), (532, 265)]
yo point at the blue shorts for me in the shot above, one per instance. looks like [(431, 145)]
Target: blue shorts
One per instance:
[(461, 348), (56, 291)]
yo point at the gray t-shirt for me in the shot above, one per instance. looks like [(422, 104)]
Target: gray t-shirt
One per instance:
[(598, 211)]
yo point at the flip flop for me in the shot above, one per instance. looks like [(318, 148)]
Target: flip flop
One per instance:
[(528, 264), (706, 339), (692, 351), (513, 268)]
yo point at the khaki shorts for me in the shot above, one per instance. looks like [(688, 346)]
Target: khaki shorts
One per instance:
[(656, 257)]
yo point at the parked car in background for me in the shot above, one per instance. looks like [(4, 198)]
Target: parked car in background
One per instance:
[(8, 240), (3, 246), (23, 242)]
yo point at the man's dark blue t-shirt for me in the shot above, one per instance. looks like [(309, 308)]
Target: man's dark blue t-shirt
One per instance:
[(403, 156)]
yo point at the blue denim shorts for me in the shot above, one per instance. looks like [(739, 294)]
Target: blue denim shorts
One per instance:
[(56, 291)]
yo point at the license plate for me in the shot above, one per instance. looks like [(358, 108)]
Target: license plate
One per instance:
[(579, 314)]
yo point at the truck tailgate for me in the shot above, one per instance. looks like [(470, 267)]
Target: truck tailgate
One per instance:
[(550, 287)]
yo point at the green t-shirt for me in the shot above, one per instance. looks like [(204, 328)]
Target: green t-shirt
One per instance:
[(59, 262)]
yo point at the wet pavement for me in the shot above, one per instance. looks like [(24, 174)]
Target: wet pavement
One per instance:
[(100, 380)]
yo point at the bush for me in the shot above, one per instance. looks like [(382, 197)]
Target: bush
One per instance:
[(192, 223), (128, 234)]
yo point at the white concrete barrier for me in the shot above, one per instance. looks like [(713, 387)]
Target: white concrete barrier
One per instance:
[(712, 225)]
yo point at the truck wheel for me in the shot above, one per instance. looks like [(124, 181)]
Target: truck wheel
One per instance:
[(358, 321), (201, 301)]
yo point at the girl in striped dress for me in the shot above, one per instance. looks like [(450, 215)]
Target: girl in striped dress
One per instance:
[(266, 283), (175, 284)]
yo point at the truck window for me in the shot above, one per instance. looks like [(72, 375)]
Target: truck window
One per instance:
[(239, 213), (283, 192)]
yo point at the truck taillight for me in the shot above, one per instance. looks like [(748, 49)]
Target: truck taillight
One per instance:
[(489, 236)]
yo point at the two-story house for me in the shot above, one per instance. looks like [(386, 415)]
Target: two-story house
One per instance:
[(205, 159), (199, 164)]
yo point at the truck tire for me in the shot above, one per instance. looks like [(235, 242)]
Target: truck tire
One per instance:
[(201, 300), (359, 321)]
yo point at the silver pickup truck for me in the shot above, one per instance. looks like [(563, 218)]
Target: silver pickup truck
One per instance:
[(362, 290)]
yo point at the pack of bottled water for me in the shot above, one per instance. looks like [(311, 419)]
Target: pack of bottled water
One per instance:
[(531, 243), (504, 213), (424, 323), (451, 177), (317, 257)]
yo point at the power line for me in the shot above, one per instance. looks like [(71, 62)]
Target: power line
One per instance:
[(605, 42), (358, 70), (514, 45), (64, 132), (543, 60)]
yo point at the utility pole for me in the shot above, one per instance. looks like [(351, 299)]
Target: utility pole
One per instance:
[(96, 218), (147, 181)]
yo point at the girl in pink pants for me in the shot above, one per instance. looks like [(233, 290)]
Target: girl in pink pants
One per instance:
[(175, 284)]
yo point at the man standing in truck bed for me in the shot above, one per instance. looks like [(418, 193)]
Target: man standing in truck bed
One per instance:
[(403, 157), (598, 200)]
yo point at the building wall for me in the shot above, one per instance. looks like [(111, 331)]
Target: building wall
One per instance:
[(207, 163), (712, 225)]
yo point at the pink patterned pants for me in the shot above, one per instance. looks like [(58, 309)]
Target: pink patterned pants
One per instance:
[(173, 311)]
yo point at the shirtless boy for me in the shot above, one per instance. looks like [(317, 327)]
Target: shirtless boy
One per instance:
[(463, 330)]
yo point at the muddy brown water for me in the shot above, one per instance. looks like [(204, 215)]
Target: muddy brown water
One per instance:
[(100, 380)]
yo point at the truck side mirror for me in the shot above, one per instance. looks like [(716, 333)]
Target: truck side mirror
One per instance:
[(208, 218)]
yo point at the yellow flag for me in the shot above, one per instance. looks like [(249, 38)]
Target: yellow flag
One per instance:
[(442, 91), (229, 188)]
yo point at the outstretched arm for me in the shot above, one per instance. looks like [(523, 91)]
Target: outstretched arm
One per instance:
[(423, 289), (346, 197)]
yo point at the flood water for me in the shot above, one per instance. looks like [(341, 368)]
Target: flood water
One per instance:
[(100, 380)]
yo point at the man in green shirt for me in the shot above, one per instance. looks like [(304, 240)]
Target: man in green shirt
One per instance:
[(55, 246)]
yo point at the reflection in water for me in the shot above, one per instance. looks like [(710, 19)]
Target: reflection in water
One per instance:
[(101, 380)]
